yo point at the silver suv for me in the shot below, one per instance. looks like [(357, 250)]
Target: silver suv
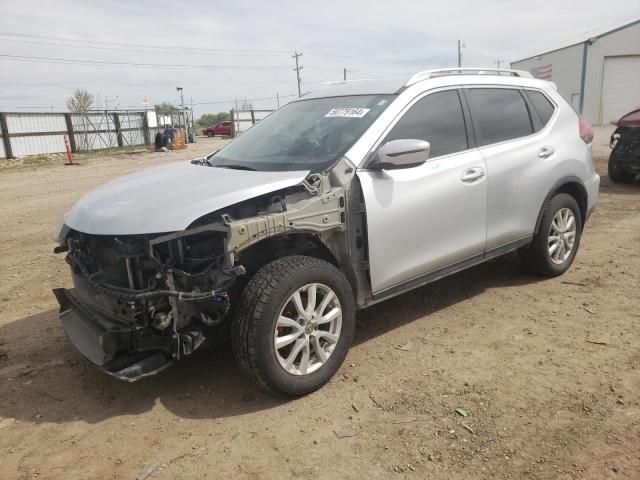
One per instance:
[(352, 194)]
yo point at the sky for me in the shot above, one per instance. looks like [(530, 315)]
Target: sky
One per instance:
[(126, 51)]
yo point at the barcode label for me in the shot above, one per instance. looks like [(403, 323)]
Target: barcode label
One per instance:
[(348, 112)]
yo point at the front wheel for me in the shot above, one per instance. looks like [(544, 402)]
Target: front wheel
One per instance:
[(556, 243), (294, 325)]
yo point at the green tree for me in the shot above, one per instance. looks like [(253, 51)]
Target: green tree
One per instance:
[(209, 119), (165, 108), (80, 101)]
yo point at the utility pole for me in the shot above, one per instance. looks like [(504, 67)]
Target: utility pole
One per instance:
[(344, 74), (297, 70), (237, 119), (278, 99), (498, 62), (460, 54), (184, 117), (193, 119)]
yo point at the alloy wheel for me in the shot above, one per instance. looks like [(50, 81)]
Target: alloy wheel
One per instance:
[(562, 236), (308, 329)]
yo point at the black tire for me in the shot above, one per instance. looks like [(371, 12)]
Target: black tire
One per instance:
[(616, 174), (254, 323), (535, 257), (209, 134)]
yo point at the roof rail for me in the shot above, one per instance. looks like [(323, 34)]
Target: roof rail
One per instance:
[(318, 86), (427, 74)]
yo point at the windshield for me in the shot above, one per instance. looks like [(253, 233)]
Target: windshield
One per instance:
[(303, 135)]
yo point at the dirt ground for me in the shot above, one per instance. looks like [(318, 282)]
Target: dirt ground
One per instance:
[(548, 370)]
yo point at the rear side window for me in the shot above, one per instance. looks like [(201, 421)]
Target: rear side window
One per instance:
[(436, 118), (500, 114), (543, 107)]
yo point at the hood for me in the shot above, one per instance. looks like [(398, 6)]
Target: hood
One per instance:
[(169, 198)]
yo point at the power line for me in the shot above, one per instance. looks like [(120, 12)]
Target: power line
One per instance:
[(214, 102), (145, 49), (27, 58), (83, 42), (247, 99), (102, 45), (71, 61)]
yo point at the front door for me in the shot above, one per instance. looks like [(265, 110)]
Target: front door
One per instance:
[(430, 217)]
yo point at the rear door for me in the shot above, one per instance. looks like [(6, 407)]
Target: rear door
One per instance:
[(520, 151), (426, 218)]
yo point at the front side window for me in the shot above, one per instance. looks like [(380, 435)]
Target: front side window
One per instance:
[(499, 113), (303, 135), (436, 118)]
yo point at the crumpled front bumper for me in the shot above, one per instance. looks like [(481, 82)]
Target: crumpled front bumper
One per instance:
[(108, 345)]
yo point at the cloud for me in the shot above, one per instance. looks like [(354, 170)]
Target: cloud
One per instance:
[(370, 39)]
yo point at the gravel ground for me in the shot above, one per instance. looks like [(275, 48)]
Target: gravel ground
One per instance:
[(548, 370)]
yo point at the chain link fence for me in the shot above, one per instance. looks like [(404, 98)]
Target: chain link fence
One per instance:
[(36, 133)]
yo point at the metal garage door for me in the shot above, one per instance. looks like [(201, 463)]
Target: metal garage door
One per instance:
[(620, 86)]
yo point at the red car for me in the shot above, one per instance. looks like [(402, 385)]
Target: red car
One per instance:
[(222, 128)]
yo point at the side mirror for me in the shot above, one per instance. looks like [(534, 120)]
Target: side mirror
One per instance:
[(404, 153)]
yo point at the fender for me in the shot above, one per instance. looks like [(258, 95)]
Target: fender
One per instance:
[(566, 180)]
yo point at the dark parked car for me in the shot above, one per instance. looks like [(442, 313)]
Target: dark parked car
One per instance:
[(624, 162), (222, 128)]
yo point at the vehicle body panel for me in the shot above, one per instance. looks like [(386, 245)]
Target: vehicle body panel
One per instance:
[(423, 218), (169, 198), (630, 120), (523, 171), (518, 180), (520, 172)]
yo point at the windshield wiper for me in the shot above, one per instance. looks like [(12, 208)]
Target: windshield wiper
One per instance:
[(236, 167)]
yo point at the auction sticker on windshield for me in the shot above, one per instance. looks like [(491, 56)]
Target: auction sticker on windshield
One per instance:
[(348, 112)]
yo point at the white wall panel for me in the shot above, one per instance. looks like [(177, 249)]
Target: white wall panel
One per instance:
[(620, 87)]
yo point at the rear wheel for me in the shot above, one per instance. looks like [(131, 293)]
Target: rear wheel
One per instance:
[(556, 243), (294, 325)]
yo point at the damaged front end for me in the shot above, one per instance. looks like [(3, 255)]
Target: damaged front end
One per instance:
[(141, 302), (624, 161)]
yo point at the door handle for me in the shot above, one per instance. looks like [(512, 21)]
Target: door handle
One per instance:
[(472, 174), (546, 152)]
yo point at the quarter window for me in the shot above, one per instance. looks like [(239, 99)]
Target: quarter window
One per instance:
[(543, 107), (500, 114), (436, 118)]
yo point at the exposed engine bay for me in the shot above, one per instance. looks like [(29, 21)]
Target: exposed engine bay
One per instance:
[(141, 302), (625, 145)]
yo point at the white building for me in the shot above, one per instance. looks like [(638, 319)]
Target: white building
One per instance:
[(599, 74)]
